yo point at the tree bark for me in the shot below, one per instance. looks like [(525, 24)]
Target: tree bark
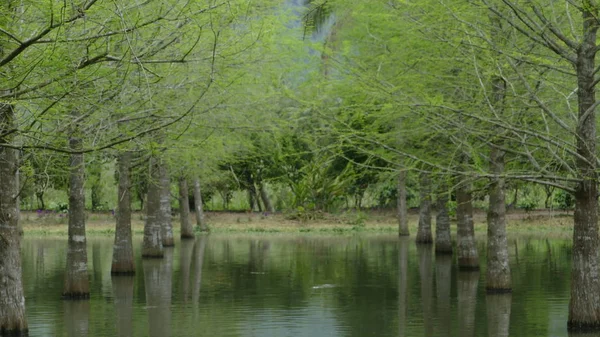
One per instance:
[(187, 231), (265, 198), (498, 268), (200, 219), (77, 283), (122, 259), (468, 257), (165, 207), (12, 301), (424, 234), (152, 245), (584, 307), (443, 240), (401, 203)]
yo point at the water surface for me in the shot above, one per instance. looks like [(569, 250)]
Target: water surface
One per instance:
[(285, 285)]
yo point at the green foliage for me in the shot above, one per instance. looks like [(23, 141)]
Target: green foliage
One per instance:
[(564, 200)]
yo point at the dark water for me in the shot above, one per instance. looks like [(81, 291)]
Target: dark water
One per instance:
[(298, 286)]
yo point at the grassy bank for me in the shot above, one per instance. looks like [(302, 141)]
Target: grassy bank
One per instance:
[(55, 224)]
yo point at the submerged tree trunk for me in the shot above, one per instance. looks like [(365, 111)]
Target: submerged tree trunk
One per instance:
[(401, 203), (200, 219), (265, 198), (584, 307), (443, 240), (122, 260), (424, 234), (187, 231), (77, 283), (12, 300), (165, 207), (152, 245), (468, 257)]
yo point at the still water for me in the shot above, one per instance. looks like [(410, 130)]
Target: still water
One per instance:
[(277, 285)]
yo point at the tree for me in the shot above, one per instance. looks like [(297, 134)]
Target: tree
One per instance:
[(122, 261)]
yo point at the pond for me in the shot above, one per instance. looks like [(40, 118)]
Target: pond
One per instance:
[(285, 285)]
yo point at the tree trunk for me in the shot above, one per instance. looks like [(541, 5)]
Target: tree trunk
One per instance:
[(12, 300), (265, 198), (200, 219), (40, 200), (96, 188), (187, 231), (403, 286), (498, 268), (498, 314), (424, 230), (584, 307), (467, 303), (443, 240), (123, 297), (401, 203), (468, 257), (77, 284), (165, 207), (152, 245), (122, 260)]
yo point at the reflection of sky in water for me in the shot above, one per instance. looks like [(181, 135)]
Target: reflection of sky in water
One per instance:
[(314, 320)]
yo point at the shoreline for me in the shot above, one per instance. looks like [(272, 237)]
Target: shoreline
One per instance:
[(375, 222)]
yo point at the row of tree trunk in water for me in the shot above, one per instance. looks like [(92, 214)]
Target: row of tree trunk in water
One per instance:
[(158, 229), (498, 278)]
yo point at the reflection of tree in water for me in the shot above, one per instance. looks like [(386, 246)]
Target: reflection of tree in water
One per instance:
[(123, 295), (158, 281), (199, 248), (467, 302), (498, 314), (443, 283), (185, 261), (402, 284), (424, 254), (77, 317)]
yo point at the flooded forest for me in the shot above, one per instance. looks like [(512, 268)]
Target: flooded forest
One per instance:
[(299, 168)]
